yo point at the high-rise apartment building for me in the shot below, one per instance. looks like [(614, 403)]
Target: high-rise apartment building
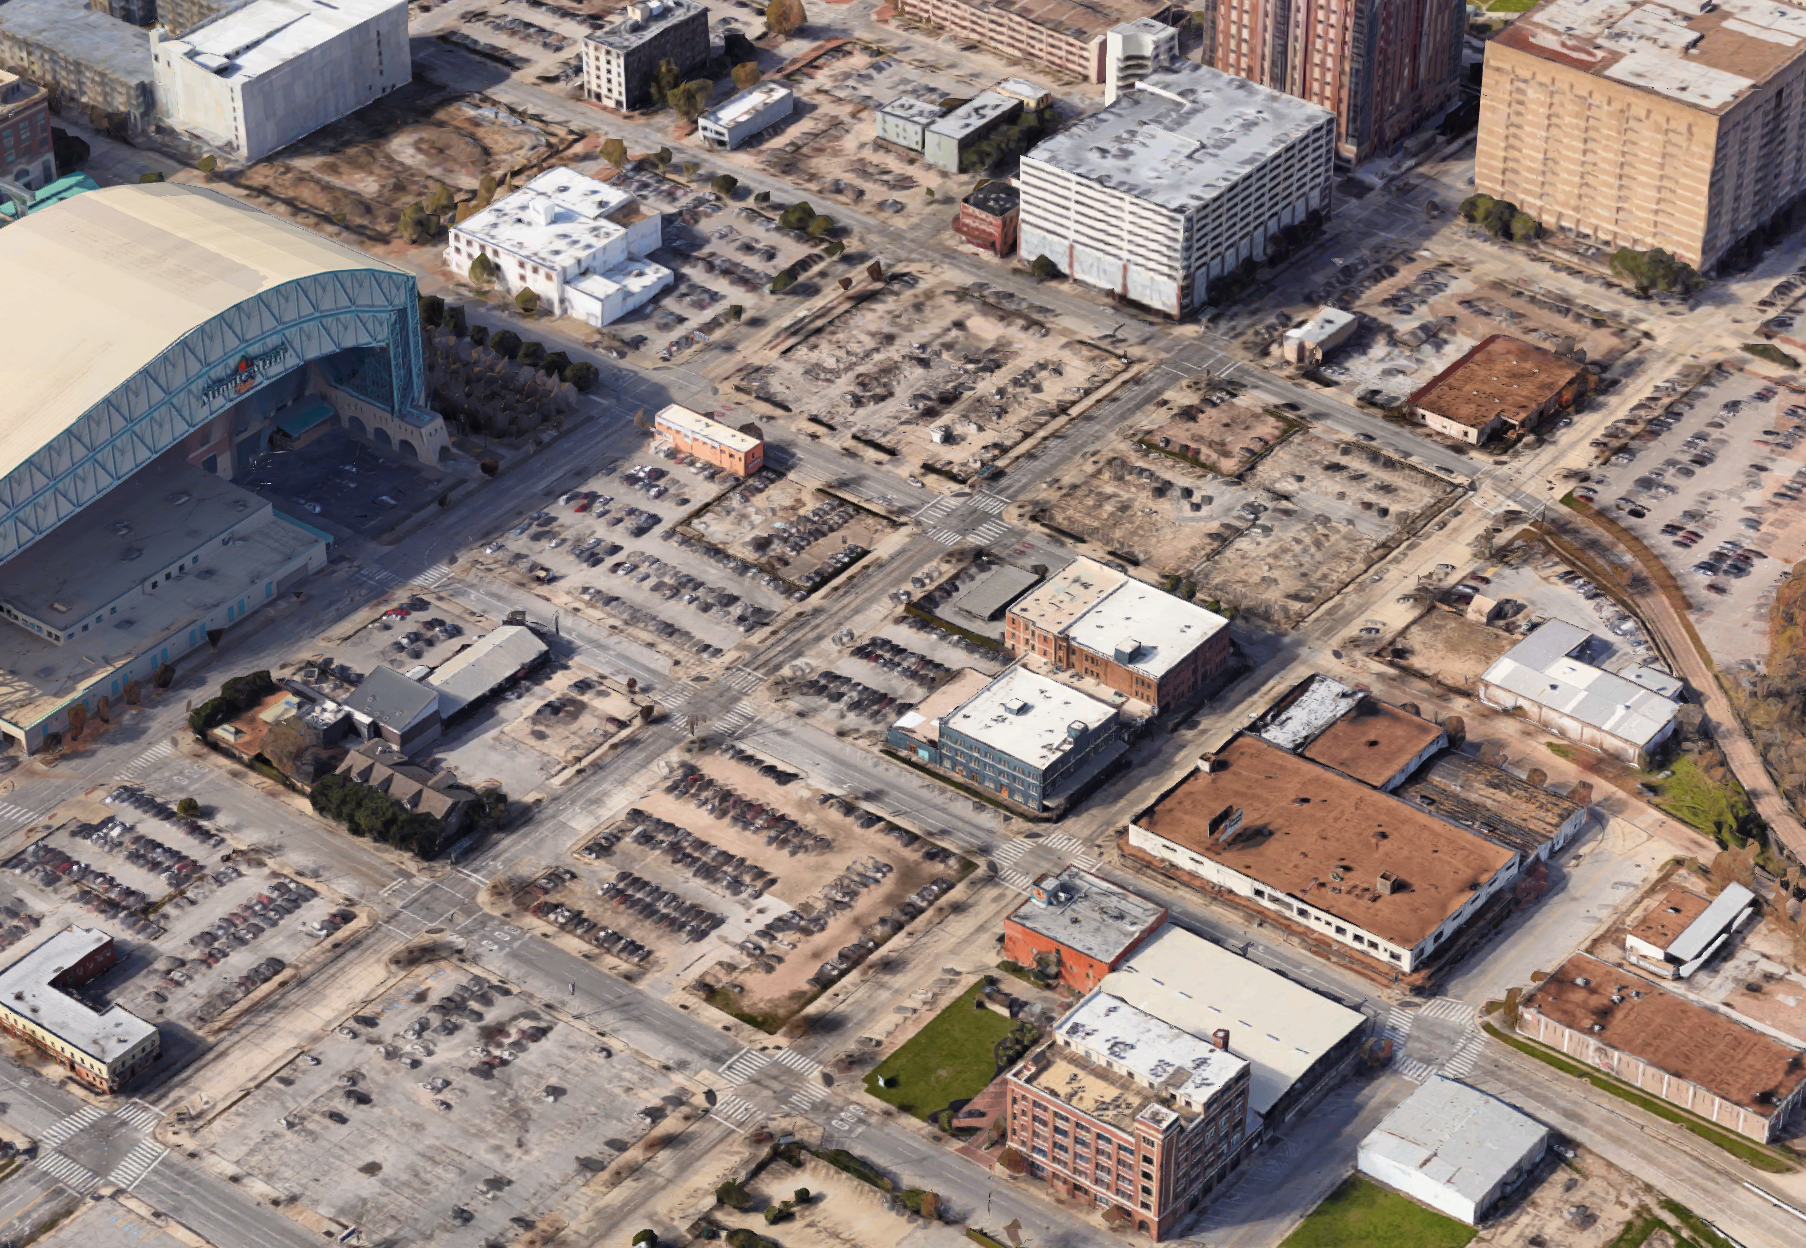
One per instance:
[(1384, 67), (620, 59), (1181, 180), (1681, 127)]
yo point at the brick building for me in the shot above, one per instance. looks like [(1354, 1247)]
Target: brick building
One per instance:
[(989, 218), (1501, 386), (103, 1048), (739, 451), (1125, 634), (1384, 67), (1688, 1054), (25, 155), (1130, 1112), (1079, 926)]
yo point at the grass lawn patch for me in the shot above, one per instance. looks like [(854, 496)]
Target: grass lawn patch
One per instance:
[(1720, 809), (1362, 1214), (1511, 6), (1745, 1150), (951, 1059)]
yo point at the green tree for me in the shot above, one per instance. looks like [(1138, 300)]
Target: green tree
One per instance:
[(555, 363), (479, 334), (150, 177), (833, 248), (505, 343), (819, 226), (432, 310), (784, 18), (1043, 268), (188, 808), (724, 184), (797, 215), (533, 353), (583, 375), (417, 225), (1656, 270), (733, 1195), (662, 158), (526, 300), (207, 164), (614, 151), (441, 202), (486, 188), (735, 312), (785, 279), (457, 321), (482, 271), (1525, 228), (665, 79), (688, 169), (645, 1237), (691, 100), (761, 197), (746, 75)]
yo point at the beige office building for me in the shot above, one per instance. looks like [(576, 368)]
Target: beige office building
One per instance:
[(1648, 125)]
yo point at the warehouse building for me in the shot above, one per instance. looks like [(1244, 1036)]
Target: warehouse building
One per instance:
[(103, 1049), (253, 80), (946, 141), (1355, 866), (213, 314), (1128, 1112), (1181, 181), (1454, 1148), (620, 60), (1309, 344), (1502, 386), (1491, 801), (1688, 1054), (1548, 676), (986, 599), (1298, 1043), (905, 122), (1348, 729), (485, 667), (93, 61), (752, 112), (739, 451), (580, 245), (1078, 927), (1683, 930), (1123, 633)]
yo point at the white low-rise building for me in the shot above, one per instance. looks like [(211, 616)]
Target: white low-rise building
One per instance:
[(753, 111), (255, 79), (1310, 342), (1549, 678), (1183, 179), (1454, 1148), (577, 243)]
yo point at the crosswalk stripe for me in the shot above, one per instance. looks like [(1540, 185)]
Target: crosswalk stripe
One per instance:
[(1016, 880), (734, 1109), (990, 531), (991, 503), (946, 537), (139, 1115), (57, 1132), (1009, 851), (1466, 1057), (745, 679), (743, 1065), (798, 1061), (671, 698), (1414, 1070), (1062, 844), (75, 1177), (1087, 862), (933, 511), (435, 575), (15, 814), (137, 1163)]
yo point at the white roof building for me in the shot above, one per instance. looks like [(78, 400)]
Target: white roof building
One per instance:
[(1112, 1032), (1145, 629), (1310, 342), (485, 664), (257, 78), (1029, 717), (578, 243), (758, 108), (111, 1039), (1548, 676), (1293, 1038), (1454, 1148)]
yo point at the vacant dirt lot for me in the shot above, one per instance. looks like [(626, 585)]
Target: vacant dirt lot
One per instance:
[(1160, 511), (891, 370), (1445, 647), (1215, 433), (787, 528), (362, 170)]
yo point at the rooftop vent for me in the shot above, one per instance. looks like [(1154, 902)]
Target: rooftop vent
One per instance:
[(1389, 883), (1127, 649), (1016, 706)]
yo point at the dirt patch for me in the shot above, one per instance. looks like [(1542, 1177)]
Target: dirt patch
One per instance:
[(1583, 1204), (1212, 431), (1150, 507), (789, 529), (362, 170), (1449, 649)]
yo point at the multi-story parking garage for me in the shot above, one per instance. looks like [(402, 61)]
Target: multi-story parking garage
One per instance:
[(158, 337)]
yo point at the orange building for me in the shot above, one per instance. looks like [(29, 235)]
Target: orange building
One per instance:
[(740, 451)]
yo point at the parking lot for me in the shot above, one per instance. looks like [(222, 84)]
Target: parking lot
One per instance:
[(337, 479), (612, 545), (735, 870), (1714, 481), (193, 934), (453, 1111), (796, 533)]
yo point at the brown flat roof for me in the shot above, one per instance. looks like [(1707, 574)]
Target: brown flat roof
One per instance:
[(1728, 1059), (1320, 837), (1500, 378), (1373, 742), (1670, 917)]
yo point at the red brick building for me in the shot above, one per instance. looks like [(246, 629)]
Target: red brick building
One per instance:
[(1131, 1113), (739, 451), (1079, 927), (1127, 635), (25, 155), (989, 217)]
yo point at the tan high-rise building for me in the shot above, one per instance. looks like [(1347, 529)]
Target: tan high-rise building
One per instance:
[(1383, 67), (1648, 125)]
